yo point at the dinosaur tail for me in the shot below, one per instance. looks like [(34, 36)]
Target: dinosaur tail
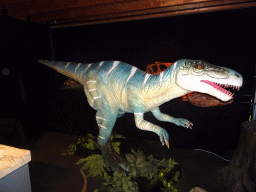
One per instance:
[(69, 69)]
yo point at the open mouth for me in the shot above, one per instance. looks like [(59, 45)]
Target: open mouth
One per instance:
[(224, 88)]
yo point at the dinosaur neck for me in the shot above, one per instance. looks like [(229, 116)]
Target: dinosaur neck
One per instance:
[(162, 88)]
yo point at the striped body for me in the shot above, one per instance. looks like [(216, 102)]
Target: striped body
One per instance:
[(122, 83)]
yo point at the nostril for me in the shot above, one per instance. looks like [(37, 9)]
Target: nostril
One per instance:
[(237, 75)]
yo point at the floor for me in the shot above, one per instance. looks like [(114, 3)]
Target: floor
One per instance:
[(52, 172)]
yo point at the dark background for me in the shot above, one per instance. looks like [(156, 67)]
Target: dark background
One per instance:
[(31, 91)]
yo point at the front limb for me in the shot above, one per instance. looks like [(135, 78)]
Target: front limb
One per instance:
[(177, 121), (147, 126)]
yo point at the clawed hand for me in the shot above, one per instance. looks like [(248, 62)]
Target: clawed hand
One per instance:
[(184, 123)]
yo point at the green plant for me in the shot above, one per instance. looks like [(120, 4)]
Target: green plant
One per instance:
[(92, 145), (141, 166), (71, 150), (116, 145), (153, 169), (169, 184), (166, 166), (95, 164), (119, 182)]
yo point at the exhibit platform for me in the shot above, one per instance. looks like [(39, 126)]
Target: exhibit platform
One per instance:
[(14, 171), (52, 172)]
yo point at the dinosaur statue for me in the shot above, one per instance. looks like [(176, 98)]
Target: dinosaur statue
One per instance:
[(114, 88)]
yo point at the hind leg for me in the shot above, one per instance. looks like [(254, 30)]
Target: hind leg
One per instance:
[(101, 100), (106, 119)]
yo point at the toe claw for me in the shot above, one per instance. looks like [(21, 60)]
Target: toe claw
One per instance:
[(167, 144)]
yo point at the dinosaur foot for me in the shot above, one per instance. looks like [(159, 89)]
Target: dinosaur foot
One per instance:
[(113, 159)]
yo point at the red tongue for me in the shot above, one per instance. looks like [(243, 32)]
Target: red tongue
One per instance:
[(217, 87)]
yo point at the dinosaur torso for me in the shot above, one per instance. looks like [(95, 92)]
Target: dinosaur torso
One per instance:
[(113, 88), (123, 84)]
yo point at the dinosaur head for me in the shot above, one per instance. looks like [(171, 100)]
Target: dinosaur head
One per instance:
[(200, 76)]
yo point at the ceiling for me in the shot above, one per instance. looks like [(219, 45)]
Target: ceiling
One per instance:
[(63, 13)]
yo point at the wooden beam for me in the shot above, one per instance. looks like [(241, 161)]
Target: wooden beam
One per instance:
[(80, 12), (21, 9), (140, 9), (147, 13)]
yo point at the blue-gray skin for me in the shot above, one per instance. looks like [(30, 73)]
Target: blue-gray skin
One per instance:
[(114, 88)]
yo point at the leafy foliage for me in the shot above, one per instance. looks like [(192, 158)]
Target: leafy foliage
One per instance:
[(71, 150), (153, 169), (95, 164), (119, 182), (92, 145), (141, 166)]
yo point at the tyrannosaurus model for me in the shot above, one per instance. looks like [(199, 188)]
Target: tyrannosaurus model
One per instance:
[(114, 88)]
